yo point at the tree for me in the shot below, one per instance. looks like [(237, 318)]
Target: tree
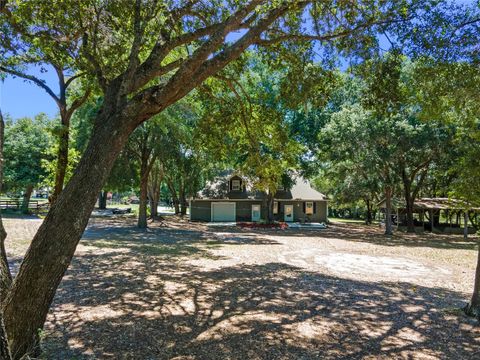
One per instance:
[(256, 140), (26, 144), (143, 145), (140, 75), (154, 187), (24, 48), (184, 161), (451, 93)]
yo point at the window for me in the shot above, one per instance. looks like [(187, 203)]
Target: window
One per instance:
[(309, 208), (275, 207), (235, 185)]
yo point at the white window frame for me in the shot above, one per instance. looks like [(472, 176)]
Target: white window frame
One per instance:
[(308, 210), (236, 188), (275, 207)]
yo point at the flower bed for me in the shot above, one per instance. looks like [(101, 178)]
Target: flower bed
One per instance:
[(252, 225)]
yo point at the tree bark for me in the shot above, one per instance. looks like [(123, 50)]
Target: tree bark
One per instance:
[(5, 275), (4, 349), (173, 193), (26, 199), (102, 200), (473, 307), (269, 207), (142, 208), (54, 244), (409, 210), (183, 200), (465, 225), (154, 200), (369, 217), (62, 155), (388, 210)]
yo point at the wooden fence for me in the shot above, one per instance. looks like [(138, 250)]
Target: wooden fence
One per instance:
[(33, 205)]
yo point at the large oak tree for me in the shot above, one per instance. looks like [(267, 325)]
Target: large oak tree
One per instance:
[(145, 56)]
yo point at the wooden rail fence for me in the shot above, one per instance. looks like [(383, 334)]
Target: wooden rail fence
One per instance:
[(34, 205)]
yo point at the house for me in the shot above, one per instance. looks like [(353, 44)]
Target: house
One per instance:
[(231, 198)]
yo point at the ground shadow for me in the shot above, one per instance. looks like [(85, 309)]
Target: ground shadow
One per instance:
[(119, 306), (374, 235)]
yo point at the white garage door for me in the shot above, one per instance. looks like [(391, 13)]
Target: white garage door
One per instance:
[(223, 211)]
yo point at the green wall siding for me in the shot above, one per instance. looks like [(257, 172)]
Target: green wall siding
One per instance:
[(201, 210)]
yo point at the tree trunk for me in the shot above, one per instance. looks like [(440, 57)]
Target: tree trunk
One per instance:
[(154, 183), (4, 349), (465, 225), (26, 199), (269, 207), (62, 155), (369, 217), (409, 210), (142, 208), (473, 307), (153, 198), (388, 211), (102, 200), (5, 275), (183, 201), (173, 193), (54, 244)]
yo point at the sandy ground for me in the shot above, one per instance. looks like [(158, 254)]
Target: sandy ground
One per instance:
[(187, 291)]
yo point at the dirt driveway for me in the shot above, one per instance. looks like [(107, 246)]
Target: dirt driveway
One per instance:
[(187, 291)]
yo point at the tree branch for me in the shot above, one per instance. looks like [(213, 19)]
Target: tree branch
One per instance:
[(33, 79)]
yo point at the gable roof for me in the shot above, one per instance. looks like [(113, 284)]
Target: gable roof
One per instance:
[(219, 189), (302, 190)]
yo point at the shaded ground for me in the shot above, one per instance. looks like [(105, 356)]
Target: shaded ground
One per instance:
[(185, 291)]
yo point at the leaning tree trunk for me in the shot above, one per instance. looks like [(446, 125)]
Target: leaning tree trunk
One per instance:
[(4, 349), (54, 244), (5, 275), (26, 199), (62, 155), (473, 307), (388, 210), (465, 225), (142, 208)]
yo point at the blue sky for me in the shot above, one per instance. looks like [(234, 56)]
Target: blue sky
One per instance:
[(19, 98)]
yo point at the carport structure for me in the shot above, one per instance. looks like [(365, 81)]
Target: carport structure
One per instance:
[(437, 214)]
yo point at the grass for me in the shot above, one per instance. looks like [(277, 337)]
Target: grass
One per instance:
[(349, 221)]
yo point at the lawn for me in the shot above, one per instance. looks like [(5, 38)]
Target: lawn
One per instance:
[(187, 291)]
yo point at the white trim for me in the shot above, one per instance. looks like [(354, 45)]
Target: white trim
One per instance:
[(239, 185), (306, 207), (285, 213), (259, 211), (226, 203)]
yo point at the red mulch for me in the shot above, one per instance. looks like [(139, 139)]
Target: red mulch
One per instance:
[(280, 225)]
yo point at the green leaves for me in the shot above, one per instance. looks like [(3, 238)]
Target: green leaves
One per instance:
[(28, 144)]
